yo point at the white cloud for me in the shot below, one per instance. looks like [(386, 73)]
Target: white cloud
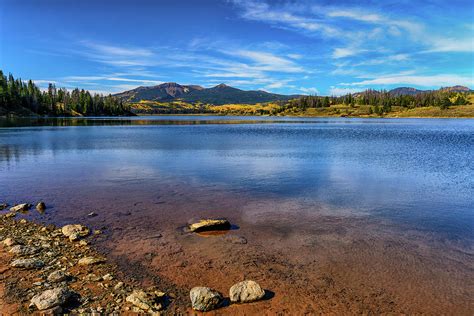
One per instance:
[(267, 61), (311, 90), (441, 80), (338, 91)]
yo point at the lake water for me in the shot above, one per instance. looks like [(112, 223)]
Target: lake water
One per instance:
[(411, 174)]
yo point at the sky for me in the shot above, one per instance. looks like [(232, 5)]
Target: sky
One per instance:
[(290, 47)]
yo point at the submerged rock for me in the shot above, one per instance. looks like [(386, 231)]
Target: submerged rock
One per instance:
[(238, 240), (204, 299), (246, 291), (51, 298), (149, 302), (210, 224), (20, 207), (75, 231), (30, 263), (3, 206), (40, 207), (90, 260)]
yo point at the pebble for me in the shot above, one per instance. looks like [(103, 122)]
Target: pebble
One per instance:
[(30, 263), (23, 250), (9, 242), (145, 301), (57, 276), (90, 260), (75, 231)]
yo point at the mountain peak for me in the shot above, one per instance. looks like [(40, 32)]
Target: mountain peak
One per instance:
[(222, 85)]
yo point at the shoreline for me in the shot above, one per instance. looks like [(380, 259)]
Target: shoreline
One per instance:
[(348, 265)]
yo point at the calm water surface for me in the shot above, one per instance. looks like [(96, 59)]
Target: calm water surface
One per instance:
[(416, 172)]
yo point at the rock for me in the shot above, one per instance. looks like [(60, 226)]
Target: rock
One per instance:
[(51, 298), (3, 206), (23, 250), (30, 263), (20, 207), (75, 231), (9, 242), (210, 224), (246, 291), (57, 276), (108, 277), (10, 215), (90, 260), (83, 243), (238, 240), (92, 214), (40, 207), (118, 286), (57, 310), (146, 301), (204, 299)]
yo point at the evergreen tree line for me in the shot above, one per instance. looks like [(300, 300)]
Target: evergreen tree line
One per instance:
[(15, 94), (383, 100)]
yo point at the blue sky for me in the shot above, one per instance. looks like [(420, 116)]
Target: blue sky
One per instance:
[(324, 47)]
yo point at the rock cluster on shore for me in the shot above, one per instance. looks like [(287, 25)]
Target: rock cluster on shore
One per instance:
[(48, 271), (54, 270)]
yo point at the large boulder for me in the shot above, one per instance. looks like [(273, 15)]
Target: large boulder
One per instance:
[(149, 302), (205, 299), (210, 224), (246, 291), (51, 298), (30, 263), (20, 207), (75, 231)]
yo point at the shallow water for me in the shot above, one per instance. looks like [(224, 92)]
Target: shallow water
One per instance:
[(340, 191), (417, 171)]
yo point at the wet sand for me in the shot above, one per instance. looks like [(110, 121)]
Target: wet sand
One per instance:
[(311, 259)]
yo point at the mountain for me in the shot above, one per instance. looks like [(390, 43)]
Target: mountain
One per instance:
[(163, 92), (218, 95), (456, 89), (413, 91), (404, 91)]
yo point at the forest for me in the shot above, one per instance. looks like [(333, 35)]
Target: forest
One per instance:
[(26, 98)]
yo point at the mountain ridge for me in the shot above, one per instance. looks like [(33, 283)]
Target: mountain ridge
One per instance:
[(225, 94), (217, 95)]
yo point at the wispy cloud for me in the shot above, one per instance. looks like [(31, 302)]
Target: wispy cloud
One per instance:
[(440, 80), (338, 91)]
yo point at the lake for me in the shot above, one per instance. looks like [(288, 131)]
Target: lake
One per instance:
[(363, 206)]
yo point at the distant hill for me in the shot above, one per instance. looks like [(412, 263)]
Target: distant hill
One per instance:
[(413, 91), (456, 89), (163, 92), (218, 95), (405, 91)]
